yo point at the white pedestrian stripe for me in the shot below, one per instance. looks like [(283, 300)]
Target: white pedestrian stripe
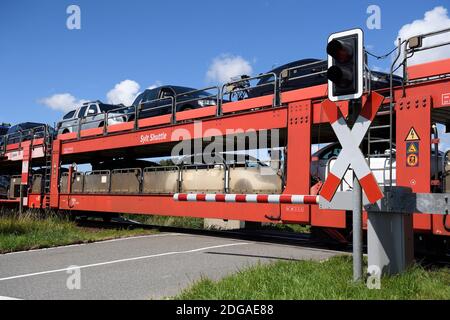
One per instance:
[(8, 298), (124, 260)]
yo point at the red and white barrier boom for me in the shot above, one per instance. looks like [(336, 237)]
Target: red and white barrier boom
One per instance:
[(247, 198)]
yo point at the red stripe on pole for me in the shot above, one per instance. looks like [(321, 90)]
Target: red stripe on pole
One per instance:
[(262, 198), (371, 188), (330, 187), (201, 197), (241, 198), (285, 199), (310, 199), (182, 197), (220, 197)]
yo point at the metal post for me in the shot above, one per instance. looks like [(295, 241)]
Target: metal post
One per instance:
[(21, 200), (357, 231)]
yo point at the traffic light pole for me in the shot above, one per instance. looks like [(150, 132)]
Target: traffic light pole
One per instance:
[(357, 205), (357, 231)]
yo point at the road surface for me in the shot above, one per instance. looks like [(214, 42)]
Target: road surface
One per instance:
[(147, 267)]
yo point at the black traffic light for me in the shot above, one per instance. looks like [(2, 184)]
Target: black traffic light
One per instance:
[(345, 65)]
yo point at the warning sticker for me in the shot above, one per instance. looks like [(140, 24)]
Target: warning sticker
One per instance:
[(412, 147), (412, 160), (412, 135)]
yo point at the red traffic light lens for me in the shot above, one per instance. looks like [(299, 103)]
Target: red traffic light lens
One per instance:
[(341, 77), (340, 51)]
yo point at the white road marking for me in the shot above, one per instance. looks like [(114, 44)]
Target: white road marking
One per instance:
[(8, 298), (124, 260), (96, 242)]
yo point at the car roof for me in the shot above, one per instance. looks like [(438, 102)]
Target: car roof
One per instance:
[(177, 89), (296, 63), (28, 125)]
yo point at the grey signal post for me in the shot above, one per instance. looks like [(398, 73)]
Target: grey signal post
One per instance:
[(345, 73)]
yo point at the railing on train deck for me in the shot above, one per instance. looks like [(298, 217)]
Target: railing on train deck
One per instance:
[(161, 180), (126, 181), (416, 44), (211, 99), (297, 73), (98, 181), (243, 88), (19, 137), (204, 178)]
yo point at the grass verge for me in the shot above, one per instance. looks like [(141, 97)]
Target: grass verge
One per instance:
[(34, 231), (198, 223), (312, 280), (166, 221)]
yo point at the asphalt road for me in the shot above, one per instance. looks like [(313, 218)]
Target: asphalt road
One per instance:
[(148, 267)]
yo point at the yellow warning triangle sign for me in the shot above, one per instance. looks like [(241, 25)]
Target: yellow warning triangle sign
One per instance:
[(412, 148), (412, 135)]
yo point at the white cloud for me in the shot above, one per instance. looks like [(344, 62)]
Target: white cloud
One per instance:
[(227, 66), (155, 85), (123, 92), (61, 102), (434, 20)]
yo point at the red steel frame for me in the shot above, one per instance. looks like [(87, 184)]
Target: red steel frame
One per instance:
[(300, 112)]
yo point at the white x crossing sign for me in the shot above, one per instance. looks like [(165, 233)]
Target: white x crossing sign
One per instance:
[(351, 154)]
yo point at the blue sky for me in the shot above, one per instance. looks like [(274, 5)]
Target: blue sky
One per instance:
[(170, 42)]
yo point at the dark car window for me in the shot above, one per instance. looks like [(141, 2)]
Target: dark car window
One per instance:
[(331, 153), (92, 110), (166, 93), (138, 99), (150, 95), (82, 112), (24, 126), (13, 129), (70, 115), (107, 107)]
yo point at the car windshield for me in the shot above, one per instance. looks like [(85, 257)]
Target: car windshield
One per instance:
[(299, 64), (187, 93), (108, 107), (24, 127), (70, 115)]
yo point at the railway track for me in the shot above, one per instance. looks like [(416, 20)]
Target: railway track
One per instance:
[(272, 236), (268, 236)]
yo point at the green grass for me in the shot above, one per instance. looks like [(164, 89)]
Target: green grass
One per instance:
[(33, 231), (287, 228), (311, 280), (197, 223), (164, 221)]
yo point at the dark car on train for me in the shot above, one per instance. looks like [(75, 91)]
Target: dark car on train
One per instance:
[(307, 73), (158, 101), (4, 186), (26, 131), (4, 127), (3, 131)]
